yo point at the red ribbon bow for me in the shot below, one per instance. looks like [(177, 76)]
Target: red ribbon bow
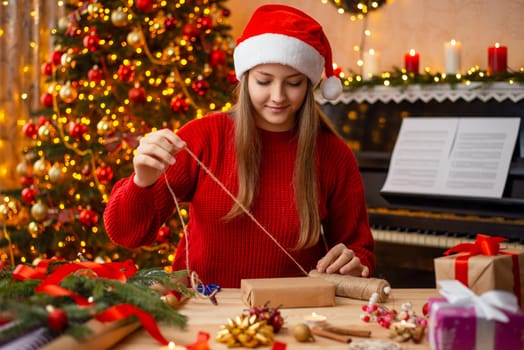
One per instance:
[(488, 246), (484, 245)]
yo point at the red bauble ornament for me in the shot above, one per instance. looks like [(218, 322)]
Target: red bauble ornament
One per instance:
[(56, 57), (190, 31), (200, 86), (337, 72), (77, 130), (179, 105), (163, 235), (88, 217), (137, 94), (144, 5), (26, 180), (226, 12), (217, 58), (28, 196), (46, 68), (104, 174), (43, 121), (57, 320), (205, 23), (30, 130), (125, 73), (170, 23), (92, 41), (46, 99), (95, 74), (73, 30), (232, 77)]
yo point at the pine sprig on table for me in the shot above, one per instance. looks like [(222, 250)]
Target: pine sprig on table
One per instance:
[(30, 310)]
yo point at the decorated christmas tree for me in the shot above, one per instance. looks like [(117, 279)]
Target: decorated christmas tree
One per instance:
[(118, 70)]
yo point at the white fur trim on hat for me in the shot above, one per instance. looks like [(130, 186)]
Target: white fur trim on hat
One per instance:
[(278, 48), (331, 88)]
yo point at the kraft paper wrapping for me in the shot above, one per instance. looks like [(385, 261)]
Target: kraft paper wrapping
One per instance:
[(487, 273), (288, 292)]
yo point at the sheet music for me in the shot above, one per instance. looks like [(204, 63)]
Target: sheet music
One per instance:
[(452, 156)]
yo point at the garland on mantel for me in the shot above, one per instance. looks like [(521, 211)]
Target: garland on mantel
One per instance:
[(400, 78)]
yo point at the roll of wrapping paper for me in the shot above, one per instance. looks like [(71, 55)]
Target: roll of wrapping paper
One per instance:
[(356, 287)]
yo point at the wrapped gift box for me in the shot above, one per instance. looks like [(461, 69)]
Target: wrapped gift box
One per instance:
[(457, 325), (288, 292), (482, 273), (459, 328)]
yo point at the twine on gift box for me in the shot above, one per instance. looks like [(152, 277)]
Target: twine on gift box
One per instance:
[(345, 285)]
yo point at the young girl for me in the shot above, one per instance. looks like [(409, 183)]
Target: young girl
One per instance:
[(296, 200)]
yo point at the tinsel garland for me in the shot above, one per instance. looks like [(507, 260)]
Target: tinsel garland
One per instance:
[(84, 291), (400, 78)]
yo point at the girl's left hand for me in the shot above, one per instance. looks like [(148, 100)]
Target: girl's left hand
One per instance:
[(340, 259)]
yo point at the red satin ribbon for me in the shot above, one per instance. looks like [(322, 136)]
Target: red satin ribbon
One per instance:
[(484, 245), (122, 311), (201, 342), (114, 270)]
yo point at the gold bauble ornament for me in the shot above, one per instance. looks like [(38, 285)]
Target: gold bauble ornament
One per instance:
[(104, 127), (55, 173), (13, 205), (39, 211), (119, 17), (63, 24), (67, 58), (34, 229), (68, 93), (40, 167), (93, 8), (134, 38), (51, 88), (4, 212), (46, 132), (22, 169)]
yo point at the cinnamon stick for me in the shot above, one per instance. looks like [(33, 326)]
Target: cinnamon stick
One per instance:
[(331, 335), (348, 331)]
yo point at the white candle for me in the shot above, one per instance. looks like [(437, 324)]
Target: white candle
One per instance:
[(452, 51), (315, 320), (370, 64)]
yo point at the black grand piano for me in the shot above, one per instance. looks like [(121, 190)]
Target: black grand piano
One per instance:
[(411, 230)]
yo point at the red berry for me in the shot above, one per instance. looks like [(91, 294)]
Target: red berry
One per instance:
[(425, 309), (365, 318)]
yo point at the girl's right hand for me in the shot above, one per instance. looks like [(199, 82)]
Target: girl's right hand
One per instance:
[(155, 153)]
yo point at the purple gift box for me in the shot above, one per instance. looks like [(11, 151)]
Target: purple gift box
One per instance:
[(458, 326)]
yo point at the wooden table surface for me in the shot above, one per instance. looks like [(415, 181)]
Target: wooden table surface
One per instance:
[(206, 317)]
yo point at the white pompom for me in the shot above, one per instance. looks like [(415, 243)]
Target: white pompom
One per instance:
[(331, 88)]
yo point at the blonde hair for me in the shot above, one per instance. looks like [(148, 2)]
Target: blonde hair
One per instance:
[(310, 120)]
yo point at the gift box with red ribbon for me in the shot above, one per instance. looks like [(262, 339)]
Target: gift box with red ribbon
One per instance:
[(483, 266), (463, 320)]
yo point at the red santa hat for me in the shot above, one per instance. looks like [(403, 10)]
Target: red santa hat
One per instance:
[(283, 34)]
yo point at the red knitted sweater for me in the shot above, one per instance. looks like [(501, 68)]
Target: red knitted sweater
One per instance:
[(226, 252)]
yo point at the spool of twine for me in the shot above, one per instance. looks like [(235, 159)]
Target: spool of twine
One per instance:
[(356, 287)]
